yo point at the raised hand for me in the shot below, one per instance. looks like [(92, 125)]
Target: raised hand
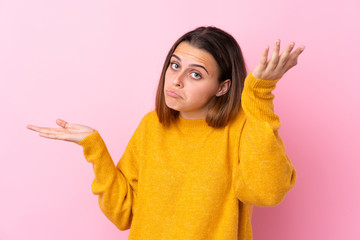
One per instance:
[(277, 66), (68, 131)]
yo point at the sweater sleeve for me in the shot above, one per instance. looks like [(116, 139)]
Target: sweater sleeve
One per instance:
[(264, 173), (116, 187)]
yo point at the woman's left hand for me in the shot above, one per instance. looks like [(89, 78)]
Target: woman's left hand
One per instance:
[(277, 66)]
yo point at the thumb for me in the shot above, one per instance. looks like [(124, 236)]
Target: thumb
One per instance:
[(61, 123)]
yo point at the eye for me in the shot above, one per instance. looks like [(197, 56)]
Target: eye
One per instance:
[(174, 66), (195, 75)]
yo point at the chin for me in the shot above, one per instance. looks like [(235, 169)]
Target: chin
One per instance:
[(172, 106)]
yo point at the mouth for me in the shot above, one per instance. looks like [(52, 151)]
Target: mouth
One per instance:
[(172, 93)]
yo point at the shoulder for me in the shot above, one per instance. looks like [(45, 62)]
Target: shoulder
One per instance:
[(149, 121), (145, 128), (238, 119), (150, 118)]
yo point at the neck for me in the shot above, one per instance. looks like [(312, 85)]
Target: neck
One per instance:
[(193, 116)]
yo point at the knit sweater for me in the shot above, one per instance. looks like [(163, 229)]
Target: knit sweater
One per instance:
[(191, 181)]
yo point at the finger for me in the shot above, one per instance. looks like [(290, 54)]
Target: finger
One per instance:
[(264, 58), (32, 127), (284, 56), (292, 61), (53, 136), (64, 124), (61, 123), (43, 129), (274, 56), (50, 130), (39, 129)]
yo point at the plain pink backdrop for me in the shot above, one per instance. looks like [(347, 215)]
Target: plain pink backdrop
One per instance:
[(97, 63)]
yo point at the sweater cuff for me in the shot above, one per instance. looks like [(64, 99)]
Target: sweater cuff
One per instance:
[(254, 82), (94, 147), (90, 139)]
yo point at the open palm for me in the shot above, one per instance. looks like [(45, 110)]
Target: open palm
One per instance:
[(68, 131), (277, 65)]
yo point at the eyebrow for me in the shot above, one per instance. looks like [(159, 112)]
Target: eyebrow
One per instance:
[(191, 65)]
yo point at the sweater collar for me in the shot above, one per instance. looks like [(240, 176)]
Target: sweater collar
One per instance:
[(192, 126)]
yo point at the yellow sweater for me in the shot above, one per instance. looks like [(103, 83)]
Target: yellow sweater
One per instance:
[(191, 181)]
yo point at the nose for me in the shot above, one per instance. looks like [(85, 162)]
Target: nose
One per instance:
[(178, 80)]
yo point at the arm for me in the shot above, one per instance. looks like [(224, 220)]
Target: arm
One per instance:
[(264, 173), (116, 187)]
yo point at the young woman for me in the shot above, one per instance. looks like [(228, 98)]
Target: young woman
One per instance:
[(209, 151)]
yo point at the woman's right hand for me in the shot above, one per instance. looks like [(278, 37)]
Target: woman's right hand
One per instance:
[(68, 131)]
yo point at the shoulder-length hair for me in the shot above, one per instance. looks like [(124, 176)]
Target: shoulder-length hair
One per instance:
[(227, 53)]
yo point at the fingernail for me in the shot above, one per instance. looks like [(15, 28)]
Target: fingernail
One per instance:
[(302, 49), (277, 42)]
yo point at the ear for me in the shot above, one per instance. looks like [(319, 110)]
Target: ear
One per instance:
[(224, 87)]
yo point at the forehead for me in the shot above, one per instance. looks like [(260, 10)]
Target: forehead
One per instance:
[(193, 55)]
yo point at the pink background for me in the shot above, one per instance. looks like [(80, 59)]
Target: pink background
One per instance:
[(97, 63)]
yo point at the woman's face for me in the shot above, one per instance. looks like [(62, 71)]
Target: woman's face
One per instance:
[(191, 81)]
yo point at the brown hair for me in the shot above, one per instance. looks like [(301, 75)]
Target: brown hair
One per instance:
[(227, 53)]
